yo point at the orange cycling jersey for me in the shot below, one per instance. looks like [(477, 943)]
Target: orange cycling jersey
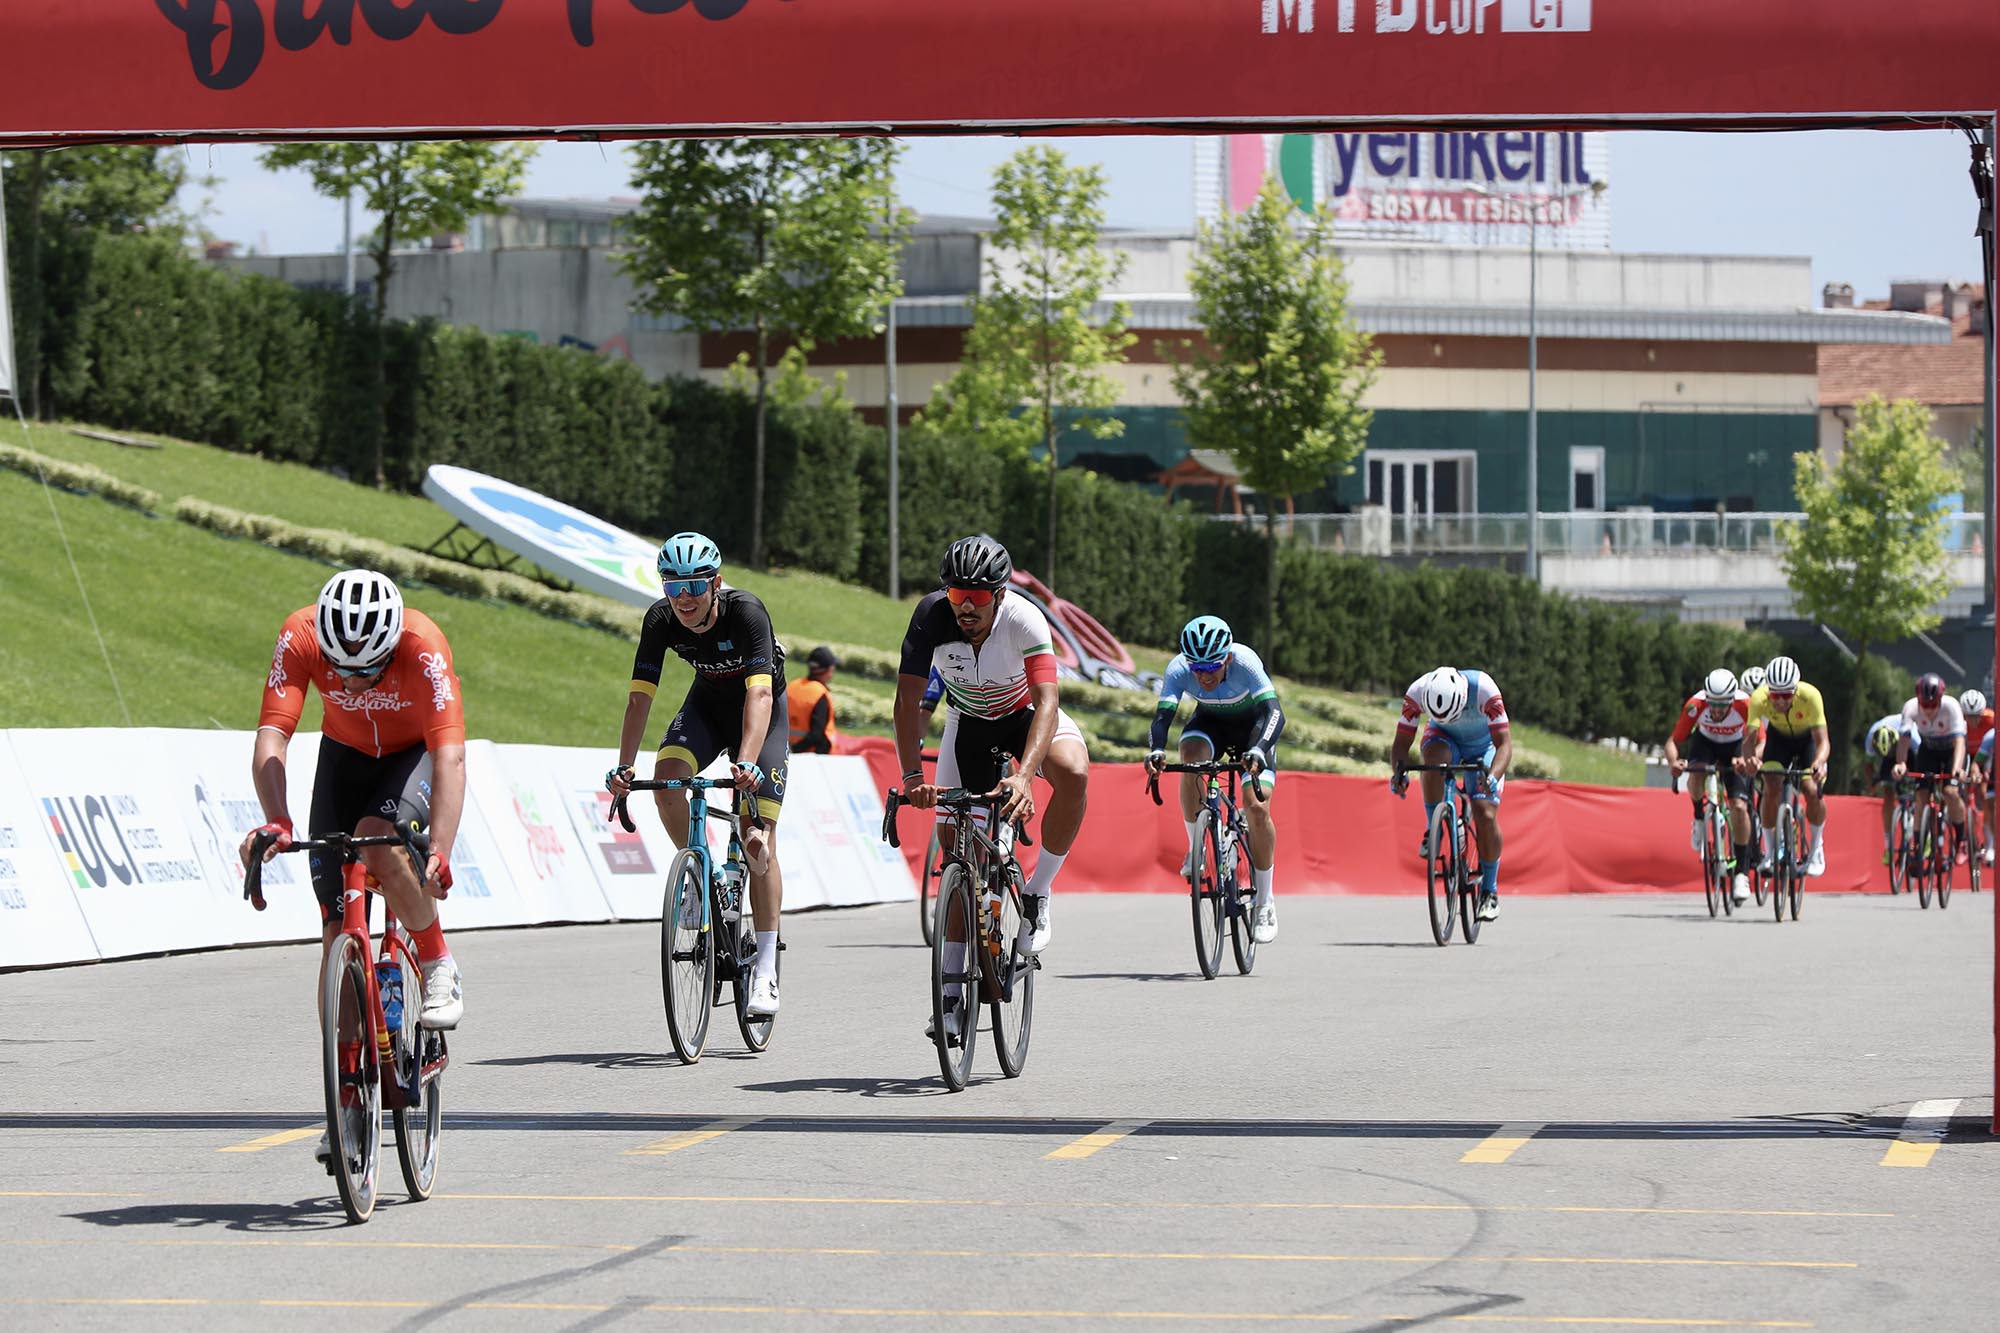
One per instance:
[(415, 703), (1976, 728)]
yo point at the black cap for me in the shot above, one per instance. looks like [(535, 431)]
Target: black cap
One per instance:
[(821, 658)]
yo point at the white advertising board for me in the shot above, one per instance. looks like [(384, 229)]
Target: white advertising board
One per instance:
[(210, 783), (586, 550), (537, 847), (40, 921), (630, 869)]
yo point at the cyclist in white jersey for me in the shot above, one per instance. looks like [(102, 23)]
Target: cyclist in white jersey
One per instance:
[(1933, 741), (997, 659), (1235, 708), (1467, 724), (1713, 724)]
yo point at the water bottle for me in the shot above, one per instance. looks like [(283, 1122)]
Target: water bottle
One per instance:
[(732, 880), (1226, 840), (389, 978)]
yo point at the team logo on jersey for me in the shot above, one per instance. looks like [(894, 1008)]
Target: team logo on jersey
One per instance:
[(276, 680), (438, 672)]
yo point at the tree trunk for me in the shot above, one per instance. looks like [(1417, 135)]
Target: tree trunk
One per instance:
[(1270, 640), (378, 370), (757, 451), (1049, 437), (29, 313)]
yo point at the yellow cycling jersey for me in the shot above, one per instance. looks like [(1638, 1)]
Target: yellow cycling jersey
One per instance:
[(1808, 710)]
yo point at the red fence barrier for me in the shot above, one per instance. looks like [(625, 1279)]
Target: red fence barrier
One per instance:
[(1351, 835)]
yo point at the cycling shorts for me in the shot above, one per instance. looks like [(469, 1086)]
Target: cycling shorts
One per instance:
[(965, 751), (1703, 750), (1229, 733), (1467, 754), (1930, 759), (1884, 770), (348, 787), (1784, 751), (709, 724)]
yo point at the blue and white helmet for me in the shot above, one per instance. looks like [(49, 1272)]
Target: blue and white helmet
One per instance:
[(1443, 694), (1206, 639), (689, 555), (359, 619)]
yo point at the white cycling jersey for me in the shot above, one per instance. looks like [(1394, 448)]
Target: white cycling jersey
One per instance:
[(1935, 731)]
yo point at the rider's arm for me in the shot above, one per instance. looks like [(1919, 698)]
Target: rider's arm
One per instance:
[(1822, 747), (278, 717), (756, 719), (638, 706), (647, 662), (1683, 728), (910, 726), (916, 675), (1265, 727), (1173, 684), (447, 797), (1047, 698), (1503, 752), (1406, 732), (267, 772)]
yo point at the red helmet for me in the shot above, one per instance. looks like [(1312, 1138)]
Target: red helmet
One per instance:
[(1930, 690)]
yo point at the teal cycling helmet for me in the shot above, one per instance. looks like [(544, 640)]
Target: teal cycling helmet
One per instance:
[(689, 555), (1206, 639)]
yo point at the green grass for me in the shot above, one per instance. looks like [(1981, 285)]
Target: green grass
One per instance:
[(189, 617)]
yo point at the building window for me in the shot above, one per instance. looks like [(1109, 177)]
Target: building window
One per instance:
[(1422, 483)]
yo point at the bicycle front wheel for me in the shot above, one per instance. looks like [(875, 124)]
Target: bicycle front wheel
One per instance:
[(1205, 898), (926, 895), (954, 1015), (419, 1114), (353, 1083), (1899, 850), (1947, 863), (1013, 983), (1441, 871), (1928, 837), (1242, 902), (756, 1029), (1468, 878), (687, 956), (1784, 861), (1711, 871)]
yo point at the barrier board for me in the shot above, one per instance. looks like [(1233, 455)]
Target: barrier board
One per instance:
[(40, 921)]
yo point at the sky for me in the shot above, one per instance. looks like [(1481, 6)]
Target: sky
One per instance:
[(1867, 207)]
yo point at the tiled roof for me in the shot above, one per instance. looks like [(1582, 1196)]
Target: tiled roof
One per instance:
[(1941, 376)]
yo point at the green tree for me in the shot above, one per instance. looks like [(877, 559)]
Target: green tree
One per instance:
[(1278, 382), (1034, 365), (795, 236), (1869, 559), (59, 201), (417, 190)]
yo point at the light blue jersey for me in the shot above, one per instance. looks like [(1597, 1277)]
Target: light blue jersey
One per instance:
[(1244, 685), (1471, 731)]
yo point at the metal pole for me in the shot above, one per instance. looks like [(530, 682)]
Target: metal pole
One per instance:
[(1988, 523), (1534, 568), (1989, 257), (347, 239), (890, 410)]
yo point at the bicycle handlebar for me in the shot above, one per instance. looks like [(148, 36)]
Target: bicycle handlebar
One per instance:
[(956, 799), (1205, 768), (624, 815), (418, 841)]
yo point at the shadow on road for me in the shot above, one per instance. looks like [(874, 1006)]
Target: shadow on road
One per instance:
[(305, 1215), (1130, 976), (595, 1059), (1380, 944), (865, 1087)]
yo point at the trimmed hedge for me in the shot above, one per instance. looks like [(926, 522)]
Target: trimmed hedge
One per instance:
[(81, 478)]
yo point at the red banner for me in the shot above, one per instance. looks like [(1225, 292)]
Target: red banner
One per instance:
[(1351, 835), (369, 68)]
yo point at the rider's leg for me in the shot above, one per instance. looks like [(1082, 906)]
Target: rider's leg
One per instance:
[(1195, 749), (1486, 821), (1067, 769), (673, 765), (1263, 833), (1770, 813), (1739, 833), (1436, 750)]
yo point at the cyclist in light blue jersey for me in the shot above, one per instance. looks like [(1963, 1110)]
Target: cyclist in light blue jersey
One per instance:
[(1880, 742), (1235, 709), (1467, 725)]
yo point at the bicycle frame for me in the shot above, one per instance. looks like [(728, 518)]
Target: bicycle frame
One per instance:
[(1462, 897), (983, 856)]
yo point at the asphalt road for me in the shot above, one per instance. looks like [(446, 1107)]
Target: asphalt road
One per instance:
[(1611, 1111)]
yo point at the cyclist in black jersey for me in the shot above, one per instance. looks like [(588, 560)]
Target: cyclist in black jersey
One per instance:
[(735, 703)]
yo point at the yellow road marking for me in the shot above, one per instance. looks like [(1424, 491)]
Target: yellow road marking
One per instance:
[(283, 1136), (1090, 1143), (1136, 1205), (1922, 1128), (877, 1312), (1501, 1144), (676, 1142), (854, 1251)]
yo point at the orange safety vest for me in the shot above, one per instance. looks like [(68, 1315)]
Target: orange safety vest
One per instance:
[(801, 697)]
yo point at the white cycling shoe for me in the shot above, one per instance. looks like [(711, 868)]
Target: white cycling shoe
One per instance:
[(1264, 923), (1035, 928), (1489, 906), (953, 1025), (323, 1151), (1816, 861), (1187, 864), (763, 1001), (1694, 837), (444, 994)]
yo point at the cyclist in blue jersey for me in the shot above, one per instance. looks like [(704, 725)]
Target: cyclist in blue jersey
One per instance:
[(1468, 725), (1235, 708)]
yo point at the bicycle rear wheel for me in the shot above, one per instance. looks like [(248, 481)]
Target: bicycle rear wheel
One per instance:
[(1242, 902), (1468, 878), (687, 958), (756, 1030), (1947, 863), (1441, 871), (1927, 840), (1899, 849), (926, 899), (951, 984), (1760, 886), (1011, 989), (420, 1118), (1205, 897), (353, 1084), (1784, 861), (1711, 871)]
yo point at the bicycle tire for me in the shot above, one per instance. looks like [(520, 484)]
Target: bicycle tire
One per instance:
[(755, 1030), (955, 903), (1468, 883), (1899, 850), (1784, 861), (1012, 1006), (1708, 869), (352, 1083), (1927, 857), (1974, 860), (1440, 871), (1760, 887), (933, 866), (1947, 867), (1205, 897), (417, 1124), (687, 960), (1242, 904)]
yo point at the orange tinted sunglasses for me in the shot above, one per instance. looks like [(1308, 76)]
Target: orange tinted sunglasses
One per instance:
[(976, 596)]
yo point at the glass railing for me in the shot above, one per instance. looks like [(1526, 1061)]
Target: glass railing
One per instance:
[(1583, 533)]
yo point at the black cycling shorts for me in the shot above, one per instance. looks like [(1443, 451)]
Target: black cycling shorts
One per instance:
[(1930, 759), (1704, 750), (708, 724), (348, 787), (1789, 751)]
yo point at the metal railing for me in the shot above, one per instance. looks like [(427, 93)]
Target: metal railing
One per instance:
[(1376, 531)]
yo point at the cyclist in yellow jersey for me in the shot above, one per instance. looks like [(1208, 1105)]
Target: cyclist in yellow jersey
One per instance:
[(1793, 735)]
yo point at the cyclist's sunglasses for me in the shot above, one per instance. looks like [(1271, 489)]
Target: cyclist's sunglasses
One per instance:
[(685, 587), (1782, 696), (364, 673), (1206, 667), (961, 596)]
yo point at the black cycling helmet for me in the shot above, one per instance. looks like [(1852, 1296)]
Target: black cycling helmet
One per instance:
[(1930, 690), (976, 562)]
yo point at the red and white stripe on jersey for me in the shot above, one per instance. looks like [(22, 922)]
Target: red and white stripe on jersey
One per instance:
[(1726, 730)]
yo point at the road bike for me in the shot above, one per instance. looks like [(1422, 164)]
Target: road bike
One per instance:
[(933, 867), (1218, 875), (1451, 854), (1717, 846), (369, 1022), (979, 901), (1923, 845), (1788, 860), (706, 954)]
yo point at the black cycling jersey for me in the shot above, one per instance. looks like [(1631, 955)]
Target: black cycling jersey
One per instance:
[(736, 649)]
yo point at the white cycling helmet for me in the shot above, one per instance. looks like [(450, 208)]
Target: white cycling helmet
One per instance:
[(1782, 675), (1720, 687), (1443, 694), (1752, 678), (1972, 701), (360, 620)]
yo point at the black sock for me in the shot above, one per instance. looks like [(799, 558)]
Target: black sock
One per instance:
[(1744, 853)]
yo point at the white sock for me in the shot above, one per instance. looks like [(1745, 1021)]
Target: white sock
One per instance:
[(1260, 880), (767, 953), (1194, 833), (1047, 866), (954, 961)]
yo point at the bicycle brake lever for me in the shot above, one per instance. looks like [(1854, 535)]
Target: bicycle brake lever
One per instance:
[(889, 830)]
